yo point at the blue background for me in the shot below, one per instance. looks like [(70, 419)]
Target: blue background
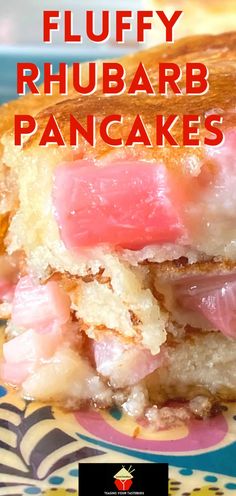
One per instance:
[(8, 64)]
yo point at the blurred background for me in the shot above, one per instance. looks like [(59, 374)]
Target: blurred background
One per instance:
[(21, 27), (21, 31)]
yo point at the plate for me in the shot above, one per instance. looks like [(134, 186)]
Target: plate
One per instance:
[(41, 447)]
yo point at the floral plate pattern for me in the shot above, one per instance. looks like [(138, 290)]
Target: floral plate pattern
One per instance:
[(41, 446)]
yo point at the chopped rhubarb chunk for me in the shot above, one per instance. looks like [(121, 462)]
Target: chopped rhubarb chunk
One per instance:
[(6, 290), (124, 364), (15, 374), (31, 346), (214, 297), (126, 204), (40, 307)]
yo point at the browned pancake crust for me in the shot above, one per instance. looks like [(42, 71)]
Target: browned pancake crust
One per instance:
[(172, 269), (217, 52)]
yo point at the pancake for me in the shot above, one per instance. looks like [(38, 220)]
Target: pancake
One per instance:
[(128, 291)]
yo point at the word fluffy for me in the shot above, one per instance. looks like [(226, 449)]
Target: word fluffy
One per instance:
[(125, 20)]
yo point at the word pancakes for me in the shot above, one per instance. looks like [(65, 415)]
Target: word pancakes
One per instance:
[(110, 130)]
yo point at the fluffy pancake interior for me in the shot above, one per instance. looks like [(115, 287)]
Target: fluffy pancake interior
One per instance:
[(128, 303), (34, 167)]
